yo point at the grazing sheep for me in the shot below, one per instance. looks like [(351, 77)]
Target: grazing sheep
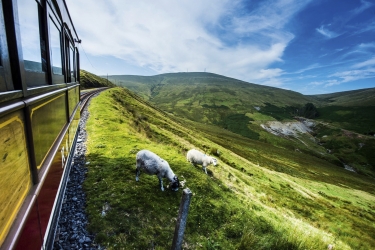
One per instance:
[(151, 164), (198, 158)]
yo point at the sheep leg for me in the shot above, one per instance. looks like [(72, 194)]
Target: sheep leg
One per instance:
[(137, 173), (161, 183), (204, 168)]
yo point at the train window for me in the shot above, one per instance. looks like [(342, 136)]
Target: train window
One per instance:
[(2, 83), (77, 65), (5, 78), (32, 37), (72, 68), (55, 37), (1, 63)]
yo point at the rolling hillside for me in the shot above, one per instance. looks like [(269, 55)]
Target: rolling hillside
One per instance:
[(89, 80), (264, 194), (216, 99), (358, 98), (345, 124), (208, 97), (351, 110)]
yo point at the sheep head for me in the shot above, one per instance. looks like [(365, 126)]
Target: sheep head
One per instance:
[(214, 161), (175, 183)]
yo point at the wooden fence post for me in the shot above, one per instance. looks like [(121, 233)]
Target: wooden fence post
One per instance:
[(181, 220)]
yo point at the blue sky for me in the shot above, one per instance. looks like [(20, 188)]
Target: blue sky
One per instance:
[(308, 46)]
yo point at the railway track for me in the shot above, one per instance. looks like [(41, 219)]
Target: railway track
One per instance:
[(71, 230), (85, 97)]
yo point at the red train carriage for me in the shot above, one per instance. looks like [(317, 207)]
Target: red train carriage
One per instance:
[(39, 116)]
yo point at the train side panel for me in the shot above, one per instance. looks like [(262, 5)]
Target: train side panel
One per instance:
[(39, 118), (14, 171), (52, 184)]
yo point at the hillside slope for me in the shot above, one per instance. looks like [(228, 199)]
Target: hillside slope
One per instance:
[(208, 97), (89, 80), (357, 98), (220, 100), (259, 196), (350, 110), (244, 108)]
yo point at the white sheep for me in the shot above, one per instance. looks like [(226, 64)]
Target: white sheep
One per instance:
[(151, 164), (198, 158)]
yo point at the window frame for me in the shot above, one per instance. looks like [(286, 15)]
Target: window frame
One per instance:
[(52, 17), (68, 43), (36, 79), (6, 83)]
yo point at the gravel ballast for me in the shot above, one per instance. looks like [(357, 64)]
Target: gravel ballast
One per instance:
[(71, 231)]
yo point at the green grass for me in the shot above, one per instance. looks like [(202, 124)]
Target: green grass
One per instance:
[(260, 196), (358, 119), (349, 148), (353, 98), (208, 97), (89, 80), (255, 116), (238, 123)]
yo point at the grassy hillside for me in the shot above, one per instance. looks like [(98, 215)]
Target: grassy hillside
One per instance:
[(360, 119), (216, 99), (357, 98), (259, 196), (208, 97), (89, 80), (352, 110), (243, 107)]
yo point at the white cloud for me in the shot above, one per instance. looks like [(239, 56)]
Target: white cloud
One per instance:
[(326, 32), (365, 28), (331, 83), (364, 6), (354, 75), (370, 62), (366, 46), (173, 36), (326, 83), (310, 67), (361, 71), (316, 83)]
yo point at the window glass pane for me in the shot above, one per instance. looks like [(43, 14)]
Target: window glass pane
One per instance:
[(1, 60), (33, 47), (72, 63), (55, 48)]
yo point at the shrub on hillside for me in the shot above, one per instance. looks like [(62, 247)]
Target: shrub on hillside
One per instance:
[(238, 123), (308, 111)]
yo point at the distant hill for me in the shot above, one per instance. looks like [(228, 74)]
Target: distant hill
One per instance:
[(221, 100), (89, 80), (192, 85), (353, 110), (210, 97), (360, 97)]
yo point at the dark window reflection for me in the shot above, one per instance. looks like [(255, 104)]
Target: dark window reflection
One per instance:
[(72, 63), (55, 38), (1, 59), (32, 35)]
